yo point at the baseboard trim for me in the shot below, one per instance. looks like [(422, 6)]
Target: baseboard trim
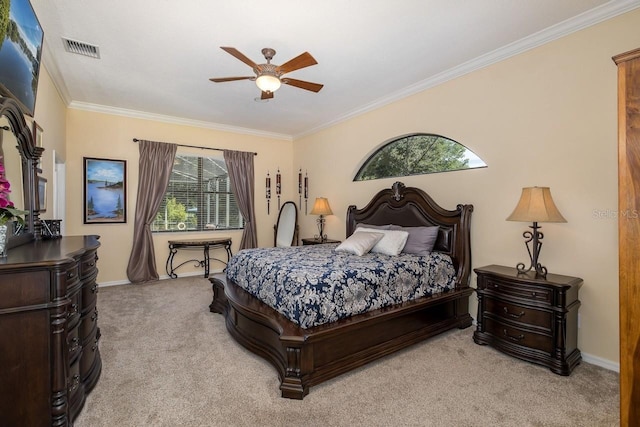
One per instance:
[(599, 361)]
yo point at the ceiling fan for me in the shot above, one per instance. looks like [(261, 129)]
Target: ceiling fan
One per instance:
[(268, 76)]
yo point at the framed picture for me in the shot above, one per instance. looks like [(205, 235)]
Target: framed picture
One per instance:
[(42, 194), (37, 134), (105, 191)]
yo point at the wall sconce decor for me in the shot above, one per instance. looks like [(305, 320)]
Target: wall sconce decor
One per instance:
[(278, 186), (306, 192), (321, 207), (300, 187), (268, 191), (535, 205)]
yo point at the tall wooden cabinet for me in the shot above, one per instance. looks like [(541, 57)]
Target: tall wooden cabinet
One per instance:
[(629, 233), (49, 356)]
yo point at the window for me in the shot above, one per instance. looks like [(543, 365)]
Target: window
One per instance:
[(418, 154), (198, 197)]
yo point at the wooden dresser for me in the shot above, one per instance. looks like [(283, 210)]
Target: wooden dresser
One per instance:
[(49, 356), (534, 319)]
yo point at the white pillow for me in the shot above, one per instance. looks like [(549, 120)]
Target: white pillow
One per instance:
[(360, 243), (392, 242)]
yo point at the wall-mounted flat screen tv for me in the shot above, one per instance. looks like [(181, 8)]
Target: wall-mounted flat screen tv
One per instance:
[(20, 51)]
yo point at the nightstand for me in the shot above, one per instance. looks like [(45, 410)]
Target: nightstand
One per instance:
[(314, 241), (531, 318)]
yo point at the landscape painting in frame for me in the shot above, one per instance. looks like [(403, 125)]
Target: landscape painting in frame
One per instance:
[(105, 191)]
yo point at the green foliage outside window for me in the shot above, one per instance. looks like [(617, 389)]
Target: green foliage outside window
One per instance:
[(198, 197), (417, 154)]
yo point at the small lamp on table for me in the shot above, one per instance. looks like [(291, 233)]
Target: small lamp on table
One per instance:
[(321, 207), (535, 205)]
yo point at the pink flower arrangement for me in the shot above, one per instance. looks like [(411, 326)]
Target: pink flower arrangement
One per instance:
[(7, 209)]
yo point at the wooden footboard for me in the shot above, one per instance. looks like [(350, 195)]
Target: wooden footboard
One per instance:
[(307, 357)]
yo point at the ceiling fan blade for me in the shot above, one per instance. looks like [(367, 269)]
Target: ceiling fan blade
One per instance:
[(230, 79), (266, 95), (313, 87), (236, 53), (301, 61)]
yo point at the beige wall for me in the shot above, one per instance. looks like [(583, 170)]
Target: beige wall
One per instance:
[(108, 136), (546, 117), (50, 114)]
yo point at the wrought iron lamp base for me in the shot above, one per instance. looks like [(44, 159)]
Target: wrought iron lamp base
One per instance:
[(533, 244)]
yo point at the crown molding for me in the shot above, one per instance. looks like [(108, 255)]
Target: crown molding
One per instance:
[(96, 108), (592, 17)]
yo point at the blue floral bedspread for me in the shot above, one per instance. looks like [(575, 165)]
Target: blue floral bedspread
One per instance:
[(312, 285)]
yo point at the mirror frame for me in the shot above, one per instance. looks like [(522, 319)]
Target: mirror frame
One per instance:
[(30, 154), (294, 236)]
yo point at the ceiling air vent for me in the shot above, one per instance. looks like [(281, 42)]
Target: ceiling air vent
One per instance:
[(81, 48)]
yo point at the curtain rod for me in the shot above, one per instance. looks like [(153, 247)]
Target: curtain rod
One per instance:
[(194, 146)]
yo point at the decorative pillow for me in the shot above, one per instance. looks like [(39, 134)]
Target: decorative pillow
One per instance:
[(421, 239), (392, 242), (377, 227), (360, 243)]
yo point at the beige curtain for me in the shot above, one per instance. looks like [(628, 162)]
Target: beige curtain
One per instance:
[(156, 163), (241, 176)]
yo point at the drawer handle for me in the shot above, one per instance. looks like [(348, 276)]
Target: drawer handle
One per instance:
[(94, 316), (94, 288), (75, 343), (75, 382), (92, 263), (71, 275), (514, 315), (512, 337), (74, 310), (94, 347)]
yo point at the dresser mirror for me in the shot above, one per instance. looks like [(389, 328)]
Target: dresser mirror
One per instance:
[(20, 156)]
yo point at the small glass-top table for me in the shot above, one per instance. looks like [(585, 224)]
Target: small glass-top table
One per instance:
[(205, 245)]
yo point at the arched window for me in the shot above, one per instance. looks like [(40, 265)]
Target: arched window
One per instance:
[(418, 154)]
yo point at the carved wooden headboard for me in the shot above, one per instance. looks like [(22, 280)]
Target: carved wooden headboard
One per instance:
[(412, 207)]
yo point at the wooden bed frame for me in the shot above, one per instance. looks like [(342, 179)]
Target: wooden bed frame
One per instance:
[(306, 357)]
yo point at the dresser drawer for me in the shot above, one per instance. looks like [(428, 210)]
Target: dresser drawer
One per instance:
[(89, 294), (518, 313), (89, 351), (88, 265), (33, 287), (89, 322), (519, 290), (73, 310), (75, 389), (74, 344), (518, 336)]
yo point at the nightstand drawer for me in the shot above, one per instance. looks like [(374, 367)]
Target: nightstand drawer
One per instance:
[(519, 336), (517, 313), (519, 290)]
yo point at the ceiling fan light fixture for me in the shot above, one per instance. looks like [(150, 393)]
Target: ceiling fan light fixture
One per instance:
[(268, 83)]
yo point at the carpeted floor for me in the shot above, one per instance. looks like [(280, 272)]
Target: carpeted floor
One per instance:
[(168, 361)]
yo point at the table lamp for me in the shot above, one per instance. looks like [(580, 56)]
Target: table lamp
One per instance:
[(535, 205), (321, 207)]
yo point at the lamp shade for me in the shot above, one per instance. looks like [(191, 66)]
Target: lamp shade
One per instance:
[(321, 207), (536, 205)]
